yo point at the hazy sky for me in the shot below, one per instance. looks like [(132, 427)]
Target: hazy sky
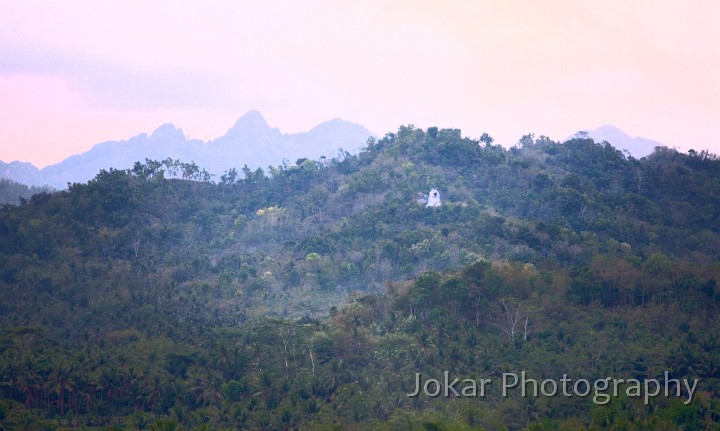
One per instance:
[(75, 73)]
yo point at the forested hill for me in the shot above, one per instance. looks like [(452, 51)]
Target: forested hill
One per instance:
[(161, 261), (12, 192), (299, 238)]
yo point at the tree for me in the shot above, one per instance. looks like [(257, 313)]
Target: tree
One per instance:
[(229, 177), (190, 171), (511, 319), (62, 381), (527, 140), (486, 139)]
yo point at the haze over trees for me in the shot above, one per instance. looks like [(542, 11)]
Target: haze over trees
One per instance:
[(308, 294), (12, 192)]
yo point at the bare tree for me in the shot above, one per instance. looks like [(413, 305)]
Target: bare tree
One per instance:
[(287, 335), (136, 241), (511, 319), (310, 353)]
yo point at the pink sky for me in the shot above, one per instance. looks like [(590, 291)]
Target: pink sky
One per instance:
[(76, 73)]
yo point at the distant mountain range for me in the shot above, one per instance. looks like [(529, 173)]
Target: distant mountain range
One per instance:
[(636, 146), (250, 141)]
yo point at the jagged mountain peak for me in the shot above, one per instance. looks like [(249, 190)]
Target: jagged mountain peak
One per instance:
[(250, 141), (168, 132), (251, 122)]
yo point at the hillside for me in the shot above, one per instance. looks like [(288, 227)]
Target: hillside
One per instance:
[(308, 296)]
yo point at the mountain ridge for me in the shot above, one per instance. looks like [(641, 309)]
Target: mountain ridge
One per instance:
[(637, 146), (250, 141)]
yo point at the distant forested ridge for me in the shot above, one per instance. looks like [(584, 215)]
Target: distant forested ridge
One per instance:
[(307, 295), (12, 192)]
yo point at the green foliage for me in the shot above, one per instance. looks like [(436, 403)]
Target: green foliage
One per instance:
[(152, 298), (12, 192)]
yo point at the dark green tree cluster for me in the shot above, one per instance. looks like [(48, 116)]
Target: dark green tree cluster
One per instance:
[(355, 369)]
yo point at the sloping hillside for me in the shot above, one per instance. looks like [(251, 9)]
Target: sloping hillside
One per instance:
[(309, 295)]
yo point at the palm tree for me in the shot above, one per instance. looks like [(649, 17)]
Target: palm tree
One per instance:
[(166, 424), (62, 382), (207, 387), (24, 422), (9, 374), (28, 383), (141, 420), (5, 422), (221, 358)]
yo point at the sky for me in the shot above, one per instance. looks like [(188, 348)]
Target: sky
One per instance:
[(76, 73)]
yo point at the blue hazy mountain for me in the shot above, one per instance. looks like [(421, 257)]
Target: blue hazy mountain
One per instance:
[(250, 141), (637, 146)]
